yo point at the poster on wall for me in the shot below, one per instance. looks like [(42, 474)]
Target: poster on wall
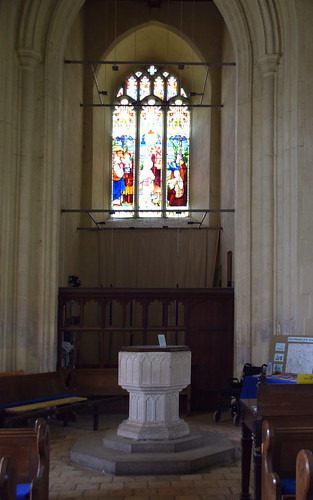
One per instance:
[(291, 354)]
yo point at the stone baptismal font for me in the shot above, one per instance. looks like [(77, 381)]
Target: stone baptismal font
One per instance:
[(154, 377), (153, 439)]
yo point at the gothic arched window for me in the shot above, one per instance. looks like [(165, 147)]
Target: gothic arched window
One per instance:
[(150, 146)]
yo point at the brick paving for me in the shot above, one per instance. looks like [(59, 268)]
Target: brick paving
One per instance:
[(71, 482)]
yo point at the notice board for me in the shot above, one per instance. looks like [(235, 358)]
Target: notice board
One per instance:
[(291, 354)]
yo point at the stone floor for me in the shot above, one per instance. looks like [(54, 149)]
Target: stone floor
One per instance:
[(68, 481)]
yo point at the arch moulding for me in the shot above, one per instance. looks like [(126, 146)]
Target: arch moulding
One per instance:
[(255, 33), (254, 30)]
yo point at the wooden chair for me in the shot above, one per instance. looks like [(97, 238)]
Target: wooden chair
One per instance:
[(282, 439), (30, 451), (304, 475)]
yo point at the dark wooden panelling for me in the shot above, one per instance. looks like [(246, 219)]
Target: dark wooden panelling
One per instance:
[(105, 319)]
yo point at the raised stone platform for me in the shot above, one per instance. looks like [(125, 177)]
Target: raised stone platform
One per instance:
[(107, 452)]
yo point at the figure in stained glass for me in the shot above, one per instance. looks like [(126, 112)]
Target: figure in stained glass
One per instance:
[(129, 179), (118, 175), (177, 183), (146, 188)]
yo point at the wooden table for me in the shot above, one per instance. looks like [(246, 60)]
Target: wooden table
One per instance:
[(251, 436)]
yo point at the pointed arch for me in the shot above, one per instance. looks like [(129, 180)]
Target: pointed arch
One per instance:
[(258, 31)]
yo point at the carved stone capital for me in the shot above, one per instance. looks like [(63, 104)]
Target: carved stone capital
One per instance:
[(29, 58), (268, 64)]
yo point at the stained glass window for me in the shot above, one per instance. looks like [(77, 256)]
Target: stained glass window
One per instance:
[(150, 146)]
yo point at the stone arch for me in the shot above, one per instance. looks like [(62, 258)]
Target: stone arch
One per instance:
[(162, 26), (257, 32), (253, 30), (125, 40)]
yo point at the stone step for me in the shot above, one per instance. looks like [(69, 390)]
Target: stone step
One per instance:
[(199, 450), (195, 439)]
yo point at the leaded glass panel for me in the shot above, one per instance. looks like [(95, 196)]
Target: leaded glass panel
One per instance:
[(171, 87), (178, 132), (131, 87), (123, 156), (144, 87), (159, 87), (152, 70), (150, 158)]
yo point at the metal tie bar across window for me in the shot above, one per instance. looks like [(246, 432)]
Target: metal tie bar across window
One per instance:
[(135, 105), (100, 225), (180, 64)]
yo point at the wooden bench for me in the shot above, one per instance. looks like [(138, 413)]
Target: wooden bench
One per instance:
[(287, 414), (274, 401), (40, 395), (24, 470), (282, 440), (304, 475), (9, 374), (96, 381), (104, 382), (7, 478)]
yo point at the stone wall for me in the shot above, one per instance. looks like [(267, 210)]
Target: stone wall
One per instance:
[(45, 161)]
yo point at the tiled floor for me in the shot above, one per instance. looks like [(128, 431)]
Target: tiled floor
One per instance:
[(68, 481)]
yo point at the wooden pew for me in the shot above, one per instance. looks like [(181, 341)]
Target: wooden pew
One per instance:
[(284, 399), (304, 475), (9, 374), (287, 413), (40, 395), (104, 382), (282, 439), (25, 464), (274, 401), (96, 381), (59, 393), (7, 478)]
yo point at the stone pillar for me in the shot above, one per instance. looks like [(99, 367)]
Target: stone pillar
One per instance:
[(268, 67), (154, 376), (29, 61)]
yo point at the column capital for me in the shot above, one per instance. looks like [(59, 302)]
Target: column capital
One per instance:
[(29, 58), (268, 63)]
